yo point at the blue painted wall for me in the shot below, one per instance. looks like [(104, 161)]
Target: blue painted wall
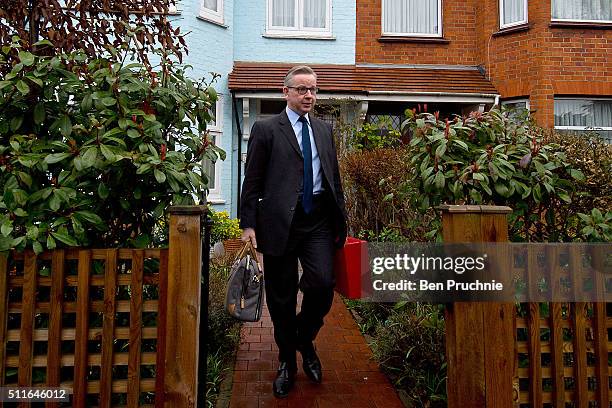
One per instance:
[(250, 45), (214, 48), (210, 48)]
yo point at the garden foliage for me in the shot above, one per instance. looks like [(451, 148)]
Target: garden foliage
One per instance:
[(559, 187), (92, 151), (91, 26), (497, 158), (223, 227)]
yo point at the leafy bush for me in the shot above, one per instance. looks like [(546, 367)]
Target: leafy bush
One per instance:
[(223, 226), (93, 152), (372, 136), (597, 226), (376, 186), (408, 341), (223, 334), (497, 158), (92, 26)]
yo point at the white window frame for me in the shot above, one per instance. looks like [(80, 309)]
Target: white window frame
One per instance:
[(212, 15), (516, 23), (583, 128), (216, 130), (426, 35), (518, 100), (574, 20), (299, 30)]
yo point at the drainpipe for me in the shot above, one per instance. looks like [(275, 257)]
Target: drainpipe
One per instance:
[(239, 128), (497, 100)]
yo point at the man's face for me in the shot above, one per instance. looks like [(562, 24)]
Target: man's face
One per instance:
[(301, 104)]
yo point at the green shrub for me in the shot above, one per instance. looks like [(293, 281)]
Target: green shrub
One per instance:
[(372, 136), (93, 152), (499, 158), (376, 186), (407, 339), (223, 226), (223, 333)]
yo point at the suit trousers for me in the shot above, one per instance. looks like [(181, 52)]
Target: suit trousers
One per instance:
[(310, 241)]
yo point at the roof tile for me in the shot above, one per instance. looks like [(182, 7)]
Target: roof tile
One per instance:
[(266, 76)]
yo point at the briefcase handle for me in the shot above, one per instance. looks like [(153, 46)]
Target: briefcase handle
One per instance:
[(248, 248)]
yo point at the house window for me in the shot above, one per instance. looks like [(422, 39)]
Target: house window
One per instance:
[(518, 107), (212, 169), (309, 18), (583, 115), (419, 18), (512, 13), (596, 11), (212, 10)]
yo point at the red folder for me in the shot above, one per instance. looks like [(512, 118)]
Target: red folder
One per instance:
[(352, 268)]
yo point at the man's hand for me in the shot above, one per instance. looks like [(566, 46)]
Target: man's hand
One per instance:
[(249, 235)]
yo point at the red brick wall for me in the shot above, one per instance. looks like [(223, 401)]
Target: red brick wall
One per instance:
[(537, 63), (462, 49), (545, 61)]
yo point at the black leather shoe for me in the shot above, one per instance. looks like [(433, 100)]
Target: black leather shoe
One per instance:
[(285, 378), (312, 365)]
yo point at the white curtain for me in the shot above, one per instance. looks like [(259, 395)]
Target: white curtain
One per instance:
[(411, 16), (576, 112), (314, 13), (514, 10), (283, 13), (211, 5), (582, 9)]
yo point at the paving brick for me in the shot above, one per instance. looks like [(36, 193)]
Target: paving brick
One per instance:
[(261, 346), (260, 365), (246, 376), (243, 402), (350, 377), (258, 388)]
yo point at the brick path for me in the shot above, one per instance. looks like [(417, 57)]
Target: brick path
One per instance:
[(350, 377)]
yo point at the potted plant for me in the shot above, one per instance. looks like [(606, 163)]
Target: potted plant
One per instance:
[(226, 230)]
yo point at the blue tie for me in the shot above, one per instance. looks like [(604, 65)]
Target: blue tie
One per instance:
[(307, 153)]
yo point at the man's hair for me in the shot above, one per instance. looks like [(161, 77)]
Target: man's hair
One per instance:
[(300, 69)]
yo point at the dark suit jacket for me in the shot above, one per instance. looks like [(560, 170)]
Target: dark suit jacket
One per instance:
[(273, 178)]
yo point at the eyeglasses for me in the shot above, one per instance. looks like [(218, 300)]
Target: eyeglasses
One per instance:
[(302, 89)]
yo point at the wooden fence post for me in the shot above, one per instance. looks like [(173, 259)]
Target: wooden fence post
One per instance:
[(479, 335), (183, 305)]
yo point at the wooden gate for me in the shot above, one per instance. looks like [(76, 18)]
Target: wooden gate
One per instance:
[(117, 327), (530, 354)]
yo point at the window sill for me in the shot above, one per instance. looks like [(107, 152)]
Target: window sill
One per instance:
[(215, 200), (580, 24), (431, 40), (215, 22), (300, 36), (513, 29)]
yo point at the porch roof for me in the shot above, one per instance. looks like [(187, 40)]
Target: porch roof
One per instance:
[(356, 79)]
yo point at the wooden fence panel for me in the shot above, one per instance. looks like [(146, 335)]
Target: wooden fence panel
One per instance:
[(572, 338), (535, 356), (26, 342), (580, 360), (135, 328), (54, 344), (3, 316), (108, 328), (556, 352), (79, 289), (95, 321), (161, 327), (82, 330)]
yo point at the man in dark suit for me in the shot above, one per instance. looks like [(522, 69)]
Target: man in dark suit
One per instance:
[(292, 207)]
